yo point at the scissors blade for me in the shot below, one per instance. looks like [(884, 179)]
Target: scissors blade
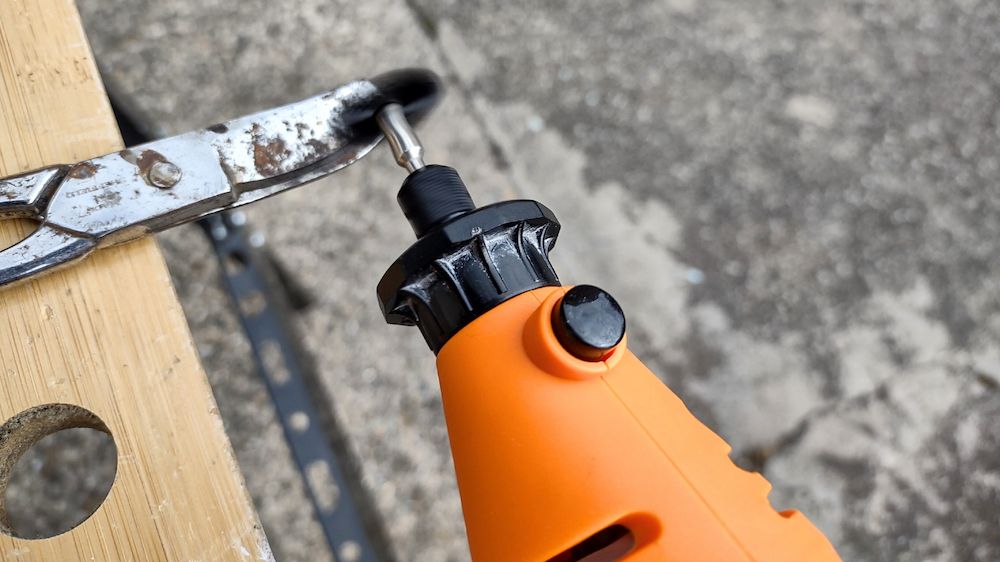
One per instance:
[(158, 185)]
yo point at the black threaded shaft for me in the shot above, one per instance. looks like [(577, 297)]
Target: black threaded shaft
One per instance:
[(433, 195)]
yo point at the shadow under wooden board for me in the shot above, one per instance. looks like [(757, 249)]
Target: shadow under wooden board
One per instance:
[(104, 344)]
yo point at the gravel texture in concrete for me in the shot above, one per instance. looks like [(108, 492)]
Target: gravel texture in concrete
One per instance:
[(794, 201)]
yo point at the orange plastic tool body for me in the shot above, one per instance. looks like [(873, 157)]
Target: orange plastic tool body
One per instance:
[(550, 449)]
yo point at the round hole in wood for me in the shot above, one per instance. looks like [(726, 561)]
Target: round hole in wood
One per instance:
[(57, 465)]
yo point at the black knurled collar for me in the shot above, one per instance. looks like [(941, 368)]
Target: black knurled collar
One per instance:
[(465, 267)]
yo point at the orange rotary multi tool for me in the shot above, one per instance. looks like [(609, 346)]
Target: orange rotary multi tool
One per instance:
[(566, 446)]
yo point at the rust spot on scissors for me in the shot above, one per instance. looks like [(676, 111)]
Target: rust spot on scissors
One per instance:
[(146, 160), (82, 170), (268, 154), (143, 161)]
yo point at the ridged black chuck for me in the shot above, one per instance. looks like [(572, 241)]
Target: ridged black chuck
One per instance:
[(465, 260)]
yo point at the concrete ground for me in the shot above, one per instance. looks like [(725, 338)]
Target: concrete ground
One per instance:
[(795, 202)]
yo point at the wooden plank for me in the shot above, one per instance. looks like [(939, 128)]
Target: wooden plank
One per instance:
[(108, 334)]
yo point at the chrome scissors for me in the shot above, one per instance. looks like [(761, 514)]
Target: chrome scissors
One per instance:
[(128, 194)]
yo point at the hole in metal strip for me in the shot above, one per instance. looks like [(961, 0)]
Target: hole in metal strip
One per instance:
[(299, 421), (274, 362), (349, 551), (235, 263), (252, 303), (323, 485)]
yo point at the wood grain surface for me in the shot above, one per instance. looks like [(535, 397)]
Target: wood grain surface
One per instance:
[(108, 334)]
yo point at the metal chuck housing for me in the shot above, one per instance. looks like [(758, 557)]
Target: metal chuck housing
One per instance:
[(466, 260)]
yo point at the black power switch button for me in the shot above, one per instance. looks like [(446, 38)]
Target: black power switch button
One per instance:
[(589, 322)]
